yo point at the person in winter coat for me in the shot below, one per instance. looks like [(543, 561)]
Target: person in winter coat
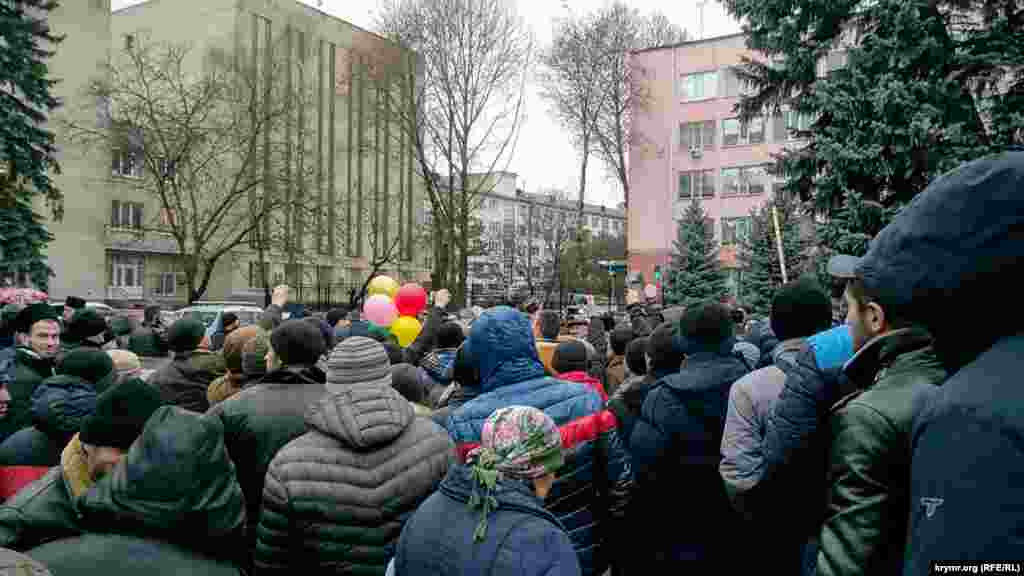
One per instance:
[(148, 341), (570, 363), (488, 517), (235, 378), (121, 328), (48, 508), (414, 385), (590, 504), (59, 405), (800, 309), (85, 329), (548, 325), (464, 387), (171, 506), (663, 359), (437, 363), (615, 374), (365, 450), (269, 413), (184, 381), (38, 334), (958, 245), (676, 443)]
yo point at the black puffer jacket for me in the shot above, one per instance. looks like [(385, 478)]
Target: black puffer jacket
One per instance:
[(261, 419), (185, 380), (340, 494), (59, 405)]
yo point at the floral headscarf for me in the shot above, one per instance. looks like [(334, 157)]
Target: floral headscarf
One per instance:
[(517, 442)]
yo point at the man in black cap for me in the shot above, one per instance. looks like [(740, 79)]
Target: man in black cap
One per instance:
[(148, 340), (183, 382), (38, 334), (71, 305), (86, 329)]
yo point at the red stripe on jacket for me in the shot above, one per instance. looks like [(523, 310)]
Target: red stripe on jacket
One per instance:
[(575, 432)]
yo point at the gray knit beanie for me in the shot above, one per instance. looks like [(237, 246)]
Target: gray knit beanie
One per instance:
[(357, 360)]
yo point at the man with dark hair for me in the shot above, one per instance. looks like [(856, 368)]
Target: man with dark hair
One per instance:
[(799, 310), (38, 333), (185, 380), (615, 373), (661, 359), (676, 443), (228, 323), (337, 317), (570, 363), (85, 329), (149, 341), (72, 304)]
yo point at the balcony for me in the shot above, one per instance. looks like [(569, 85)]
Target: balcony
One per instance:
[(145, 240), (124, 292)]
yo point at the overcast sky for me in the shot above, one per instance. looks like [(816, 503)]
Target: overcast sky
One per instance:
[(544, 158)]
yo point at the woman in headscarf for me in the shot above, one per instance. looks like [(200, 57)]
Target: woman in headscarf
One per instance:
[(488, 516)]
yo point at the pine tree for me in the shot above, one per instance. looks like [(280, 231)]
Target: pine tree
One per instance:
[(26, 99), (759, 254), (695, 275), (23, 238)]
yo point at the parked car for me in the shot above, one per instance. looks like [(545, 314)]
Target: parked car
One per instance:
[(209, 313), (102, 309)]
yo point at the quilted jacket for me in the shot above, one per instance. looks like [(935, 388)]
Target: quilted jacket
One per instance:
[(59, 405), (593, 487), (336, 498)]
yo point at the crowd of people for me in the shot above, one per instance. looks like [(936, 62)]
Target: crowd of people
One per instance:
[(503, 441)]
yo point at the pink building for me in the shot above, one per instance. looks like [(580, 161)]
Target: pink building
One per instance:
[(688, 143)]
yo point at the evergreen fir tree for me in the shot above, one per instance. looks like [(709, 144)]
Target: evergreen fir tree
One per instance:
[(695, 275), (23, 238), (26, 99), (759, 254)]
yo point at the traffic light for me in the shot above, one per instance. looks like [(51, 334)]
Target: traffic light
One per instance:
[(657, 274)]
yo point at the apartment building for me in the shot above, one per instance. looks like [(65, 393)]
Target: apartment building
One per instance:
[(688, 143), (517, 249), (113, 245)]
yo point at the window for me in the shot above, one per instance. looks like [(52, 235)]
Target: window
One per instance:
[(256, 275), (697, 135), (732, 85), (167, 284), (749, 180), (699, 86), (495, 228), (166, 169), (126, 164), (735, 133), (778, 192), (709, 226), (735, 230), (126, 214), (789, 125), (126, 271), (696, 184)]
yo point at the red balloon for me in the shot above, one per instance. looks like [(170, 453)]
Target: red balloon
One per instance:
[(410, 299)]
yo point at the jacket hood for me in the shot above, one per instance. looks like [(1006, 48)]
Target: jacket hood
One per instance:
[(501, 345), (362, 416), (882, 350), (510, 494), (60, 404), (176, 480)]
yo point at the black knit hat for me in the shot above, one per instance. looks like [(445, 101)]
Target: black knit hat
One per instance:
[(94, 366), (85, 323), (297, 342), (121, 413), (33, 313), (74, 302), (570, 356), (185, 335)]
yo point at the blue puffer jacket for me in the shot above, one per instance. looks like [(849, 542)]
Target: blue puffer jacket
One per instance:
[(522, 538), (59, 405), (593, 487), (676, 452)]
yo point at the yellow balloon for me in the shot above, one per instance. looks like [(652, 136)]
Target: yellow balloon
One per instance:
[(385, 285), (406, 329)]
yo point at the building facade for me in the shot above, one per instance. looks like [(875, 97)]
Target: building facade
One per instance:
[(113, 243), (689, 144), (522, 232)]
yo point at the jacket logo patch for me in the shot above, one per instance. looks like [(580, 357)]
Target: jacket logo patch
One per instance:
[(930, 505)]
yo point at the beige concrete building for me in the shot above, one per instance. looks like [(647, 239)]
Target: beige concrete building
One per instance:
[(110, 245)]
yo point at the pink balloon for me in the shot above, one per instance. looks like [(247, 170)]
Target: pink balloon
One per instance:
[(380, 310), (410, 299)]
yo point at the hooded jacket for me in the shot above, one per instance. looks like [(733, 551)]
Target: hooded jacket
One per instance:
[(184, 381), (522, 538), (261, 419), (340, 494), (676, 443), (29, 372), (593, 487), (176, 485), (59, 405), (869, 454)]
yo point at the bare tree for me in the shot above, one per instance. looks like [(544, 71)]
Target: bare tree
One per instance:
[(570, 82), (202, 139), (466, 100)]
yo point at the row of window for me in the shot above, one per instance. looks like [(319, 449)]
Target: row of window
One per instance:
[(734, 181), (701, 135), (291, 274), (132, 215), (129, 272), (129, 164), (733, 229), (725, 83)]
